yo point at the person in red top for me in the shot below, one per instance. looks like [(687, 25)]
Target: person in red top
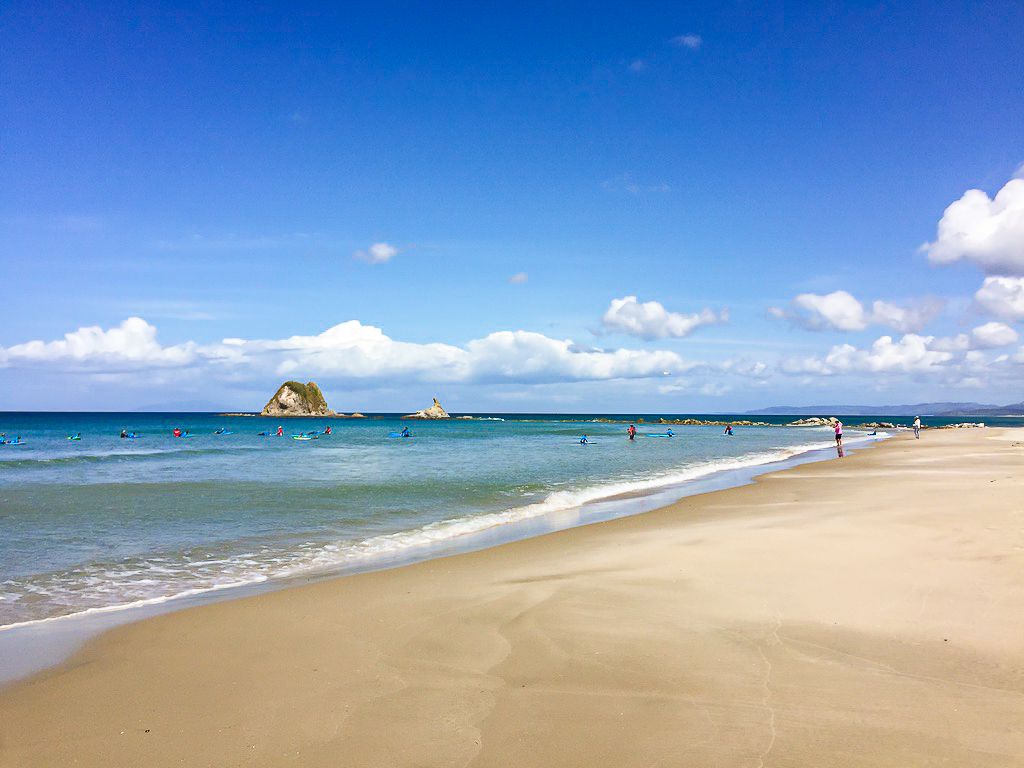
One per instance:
[(632, 431)]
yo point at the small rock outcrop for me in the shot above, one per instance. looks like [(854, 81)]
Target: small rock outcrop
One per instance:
[(433, 412), (814, 421), (295, 399)]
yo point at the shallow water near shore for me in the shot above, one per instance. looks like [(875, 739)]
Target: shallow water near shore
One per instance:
[(103, 526)]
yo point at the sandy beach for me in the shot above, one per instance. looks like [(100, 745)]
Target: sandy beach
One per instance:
[(864, 611)]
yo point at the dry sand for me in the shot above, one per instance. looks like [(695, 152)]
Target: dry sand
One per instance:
[(867, 611)]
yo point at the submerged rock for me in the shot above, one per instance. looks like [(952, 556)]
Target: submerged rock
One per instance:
[(295, 399), (711, 423), (433, 412)]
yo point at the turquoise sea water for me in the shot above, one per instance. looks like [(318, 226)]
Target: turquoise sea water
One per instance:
[(101, 530), (105, 523)]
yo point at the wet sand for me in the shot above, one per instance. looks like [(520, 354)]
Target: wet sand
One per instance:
[(866, 611)]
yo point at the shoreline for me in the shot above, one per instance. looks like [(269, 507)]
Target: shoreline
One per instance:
[(856, 612), (44, 643)]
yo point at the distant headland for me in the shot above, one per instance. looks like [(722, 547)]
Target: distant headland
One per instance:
[(943, 410)]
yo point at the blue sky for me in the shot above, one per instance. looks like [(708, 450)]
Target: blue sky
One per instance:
[(628, 207)]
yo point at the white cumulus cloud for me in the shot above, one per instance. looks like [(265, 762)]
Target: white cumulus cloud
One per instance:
[(988, 232), (347, 351), (912, 353), (1002, 296), (378, 253), (838, 309), (992, 335), (526, 356), (842, 311), (651, 320), (131, 345)]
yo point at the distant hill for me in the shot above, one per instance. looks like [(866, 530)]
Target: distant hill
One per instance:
[(916, 409), (1014, 409)]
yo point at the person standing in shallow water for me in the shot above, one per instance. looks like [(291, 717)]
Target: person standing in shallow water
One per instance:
[(839, 432), (917, 427), (631, 431)]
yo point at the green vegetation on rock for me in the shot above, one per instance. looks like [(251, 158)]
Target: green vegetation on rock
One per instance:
[(297, 399)]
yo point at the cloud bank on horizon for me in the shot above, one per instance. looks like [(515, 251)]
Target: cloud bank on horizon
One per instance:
[(351, 354)]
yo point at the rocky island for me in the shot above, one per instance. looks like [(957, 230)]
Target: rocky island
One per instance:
[(295, 399), (433, 412)]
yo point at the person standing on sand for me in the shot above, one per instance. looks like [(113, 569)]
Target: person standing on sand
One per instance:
[(839, 432), (631, 431), (917, 427)]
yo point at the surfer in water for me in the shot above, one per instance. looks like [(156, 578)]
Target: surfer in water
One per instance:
[(584, 441)]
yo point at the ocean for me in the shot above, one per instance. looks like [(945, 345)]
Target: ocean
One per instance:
[(104, 524)]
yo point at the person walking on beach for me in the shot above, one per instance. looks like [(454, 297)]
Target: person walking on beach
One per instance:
[(632, 431), (839, 432), (917, 427)]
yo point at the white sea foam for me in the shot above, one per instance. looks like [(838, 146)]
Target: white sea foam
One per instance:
[(555, 502)]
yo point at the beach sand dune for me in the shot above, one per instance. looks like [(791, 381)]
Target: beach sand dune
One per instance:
[(866, 611)]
